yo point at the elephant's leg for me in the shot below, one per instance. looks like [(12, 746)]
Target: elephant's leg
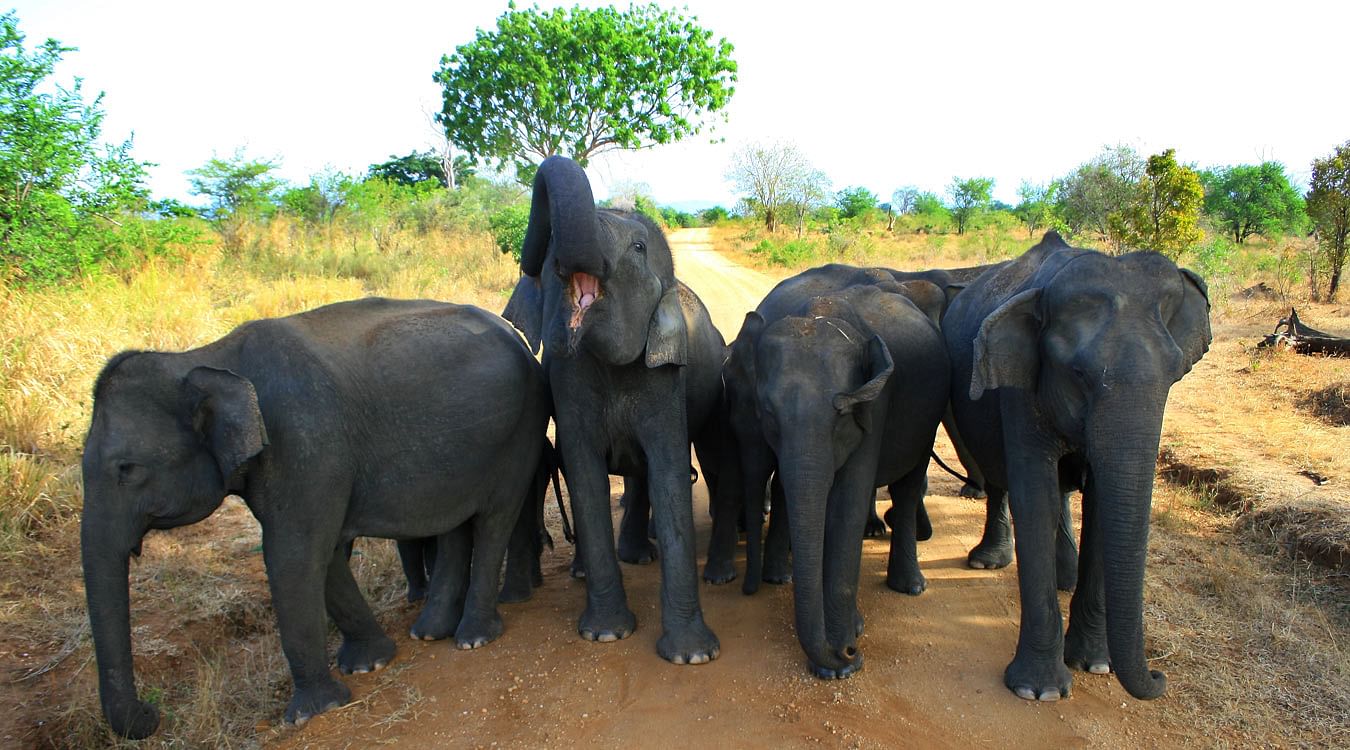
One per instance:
[(1066, 551), (756, 468), (1085, 645), (607, 616), (875, 527), (635, 546), (777, 542), (296, 567), (365, 647), (416, 555), (445, 591), (685, 638), (902, 570), (724, 503), (975, 486), (482, 623), (923, 527), (995, 549), (523, 549)]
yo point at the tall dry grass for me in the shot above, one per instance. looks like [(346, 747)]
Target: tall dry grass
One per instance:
[(204, 633)]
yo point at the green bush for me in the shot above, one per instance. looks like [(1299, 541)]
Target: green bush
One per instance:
[(508, 228)]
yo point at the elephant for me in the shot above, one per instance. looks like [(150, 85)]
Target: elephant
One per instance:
[(850, 391), (1062, 362), (633, 363), (374, 417), (928, 290)]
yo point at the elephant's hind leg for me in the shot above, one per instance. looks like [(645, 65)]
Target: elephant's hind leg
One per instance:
[(902, 570), (445, 591), (995, 549), (482, 623), (365, 647)]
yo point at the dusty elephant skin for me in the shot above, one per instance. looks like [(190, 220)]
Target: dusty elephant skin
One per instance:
[(369, 418), (1061, 365), (633, 362), (850, 393)]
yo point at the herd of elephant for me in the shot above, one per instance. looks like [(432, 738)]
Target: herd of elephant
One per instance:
[(426, 422)]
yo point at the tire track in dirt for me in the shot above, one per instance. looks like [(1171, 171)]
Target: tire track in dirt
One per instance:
[(934, 663)]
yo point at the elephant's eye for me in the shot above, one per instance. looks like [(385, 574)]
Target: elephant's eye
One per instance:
[(640, 246), (129, 473)]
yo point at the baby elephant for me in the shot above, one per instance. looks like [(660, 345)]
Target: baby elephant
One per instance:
[(381, 418)]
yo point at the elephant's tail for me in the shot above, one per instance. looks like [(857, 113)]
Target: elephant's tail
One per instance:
[(552, 463)]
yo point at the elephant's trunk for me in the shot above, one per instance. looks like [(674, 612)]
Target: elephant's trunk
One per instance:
[(806, 489), (1123, 451), (106, 547), (562, 211)]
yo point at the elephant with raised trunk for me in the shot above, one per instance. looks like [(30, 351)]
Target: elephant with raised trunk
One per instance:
[(850, 391), (380, 418), (633, 362), (1062, 361)]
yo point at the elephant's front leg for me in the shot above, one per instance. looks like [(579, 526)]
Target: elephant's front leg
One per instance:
[(297, 568), (1085, 644), (685, 638), (607, 616), (635, 547), (1037, 671), (902, 568), (365, 647), (721, 475), (756, 468)]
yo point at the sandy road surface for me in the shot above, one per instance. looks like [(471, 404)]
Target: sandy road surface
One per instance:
[(932, 678)]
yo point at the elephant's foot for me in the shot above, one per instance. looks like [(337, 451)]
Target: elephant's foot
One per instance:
[(434, 624), (607, 627), (1086, 652), (719, 571), (361, 656), (923, 527), (842, 673), (515, 589), (875, 526), (416, 593), (690, 643), (1066, 569), (578, 569), (973, 491), (777, 570), (476, 632), (1038, 679), (314, 699), (990, 556), (858, 623), (912, 583), (639, 551)]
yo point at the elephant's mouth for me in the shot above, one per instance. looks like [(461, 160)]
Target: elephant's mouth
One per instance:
[(583, 289)]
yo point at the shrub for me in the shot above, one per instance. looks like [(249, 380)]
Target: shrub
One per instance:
[(508, 228)]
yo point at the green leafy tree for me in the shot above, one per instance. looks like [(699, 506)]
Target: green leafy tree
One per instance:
[(579, 82), (807, 192), (713, 215), (418, 166), (970, 197), (238, 190), (319, 201), (855, 201), (1165, 212), (1092, 198), (1328, 204), (1252, 199), (64, 195), (1037, 207), (930, 214)]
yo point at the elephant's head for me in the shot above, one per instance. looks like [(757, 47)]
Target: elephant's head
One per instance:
[(163, 445), (818, 378), (599, 280), (1097, 342)]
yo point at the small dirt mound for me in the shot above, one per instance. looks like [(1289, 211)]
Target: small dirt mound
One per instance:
[(1212, 482), (1318, 532), (1330, 404)]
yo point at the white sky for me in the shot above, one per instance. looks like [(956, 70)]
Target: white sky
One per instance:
[(878, 94)]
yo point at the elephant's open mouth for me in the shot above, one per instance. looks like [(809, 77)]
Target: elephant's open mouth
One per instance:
[(583, 289)]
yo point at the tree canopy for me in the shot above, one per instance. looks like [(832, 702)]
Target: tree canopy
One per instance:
[(1098, 190), (1250, 199), (1329, 208), (970, 197), (580, 81), (1164, 213), (772, 176), (855, 201), (62, 190)]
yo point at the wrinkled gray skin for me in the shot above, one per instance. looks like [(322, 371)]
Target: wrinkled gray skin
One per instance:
[(633, 362), (850, 394), (369, 418), (1064, 358), (928, 290)]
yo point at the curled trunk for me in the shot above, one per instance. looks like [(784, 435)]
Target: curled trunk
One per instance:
[(562, 212)]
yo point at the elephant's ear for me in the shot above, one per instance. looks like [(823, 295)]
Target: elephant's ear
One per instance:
[(880, 366), (750, 329), (667, 336), (525, 310), (1189, 325), (224, 411), (1007, 350), (950, 291)]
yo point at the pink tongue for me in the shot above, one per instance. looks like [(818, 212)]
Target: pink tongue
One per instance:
[(586, 300)]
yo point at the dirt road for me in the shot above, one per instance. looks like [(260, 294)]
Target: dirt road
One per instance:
[(932, 679)]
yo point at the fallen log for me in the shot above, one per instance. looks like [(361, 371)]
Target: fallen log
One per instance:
[(1304, 339)]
